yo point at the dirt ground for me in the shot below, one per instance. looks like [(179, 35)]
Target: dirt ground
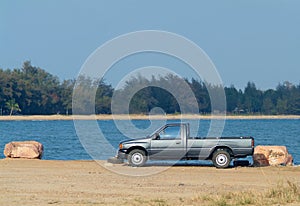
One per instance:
[(47, 182)]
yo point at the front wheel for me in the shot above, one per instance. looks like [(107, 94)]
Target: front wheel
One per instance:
[(137, 158), (221, 158)]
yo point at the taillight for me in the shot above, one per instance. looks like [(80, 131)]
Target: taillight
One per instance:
[(252, 143)]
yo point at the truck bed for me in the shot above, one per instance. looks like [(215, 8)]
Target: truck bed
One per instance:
[(220, 138)]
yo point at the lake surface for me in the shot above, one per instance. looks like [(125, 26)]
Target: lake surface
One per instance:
[(61, 142)]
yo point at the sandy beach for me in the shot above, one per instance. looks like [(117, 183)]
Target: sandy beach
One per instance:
[(124, 117), (47, 182)]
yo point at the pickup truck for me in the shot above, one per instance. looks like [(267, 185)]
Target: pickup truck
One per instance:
[(173, 142)]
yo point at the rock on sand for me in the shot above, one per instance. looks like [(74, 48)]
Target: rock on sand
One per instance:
[(26, 149), (271, 156)]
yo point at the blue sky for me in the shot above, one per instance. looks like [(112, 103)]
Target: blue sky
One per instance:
[(253, 40)]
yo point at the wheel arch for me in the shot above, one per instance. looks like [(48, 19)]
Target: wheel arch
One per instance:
[(221, 148), (137, 147)]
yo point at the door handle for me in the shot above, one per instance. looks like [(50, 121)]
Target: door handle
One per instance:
[(178, 142)]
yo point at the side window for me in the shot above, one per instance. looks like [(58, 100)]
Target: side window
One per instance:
[(170, 133)]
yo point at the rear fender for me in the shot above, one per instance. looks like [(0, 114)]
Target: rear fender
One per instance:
[(220, 148)]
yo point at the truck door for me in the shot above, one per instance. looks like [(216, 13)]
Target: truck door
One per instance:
[(169, 143)]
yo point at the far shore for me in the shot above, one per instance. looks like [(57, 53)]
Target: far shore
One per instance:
[(142, 117)]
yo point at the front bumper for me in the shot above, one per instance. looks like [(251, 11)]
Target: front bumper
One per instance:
[(122, 154)]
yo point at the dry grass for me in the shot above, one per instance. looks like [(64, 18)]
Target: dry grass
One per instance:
[(282, 194)]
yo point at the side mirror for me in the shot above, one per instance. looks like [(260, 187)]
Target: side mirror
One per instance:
[(157, 137)]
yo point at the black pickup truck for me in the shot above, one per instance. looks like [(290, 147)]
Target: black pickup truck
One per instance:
[(173, 142)]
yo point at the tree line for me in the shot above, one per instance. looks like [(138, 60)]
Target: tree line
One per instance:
[(31, 90)]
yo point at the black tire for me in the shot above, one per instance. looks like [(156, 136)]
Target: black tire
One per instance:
[(137, 158), (221, 158)]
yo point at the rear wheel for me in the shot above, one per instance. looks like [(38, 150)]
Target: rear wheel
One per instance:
[(137, 158), (221, 158)]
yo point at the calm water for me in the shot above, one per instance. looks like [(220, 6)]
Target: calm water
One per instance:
[(61, 142)]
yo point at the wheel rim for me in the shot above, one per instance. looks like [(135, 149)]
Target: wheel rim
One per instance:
[(221, 159), (137, 158)]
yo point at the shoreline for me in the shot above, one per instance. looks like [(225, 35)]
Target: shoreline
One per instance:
[(143, 117)]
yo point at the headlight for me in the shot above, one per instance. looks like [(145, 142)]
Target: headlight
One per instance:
[(120, 146)]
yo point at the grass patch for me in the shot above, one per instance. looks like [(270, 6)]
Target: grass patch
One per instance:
[(152, 202), (281, 194)]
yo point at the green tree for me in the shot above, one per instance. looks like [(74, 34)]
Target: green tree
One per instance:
[(12, 106), (294, 101), (39, 92), (268, 106), (202, 96), (232, 98), (270, 97), (281, 106), (83, 95), (65, 94), (252, 98), (103, 98)]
